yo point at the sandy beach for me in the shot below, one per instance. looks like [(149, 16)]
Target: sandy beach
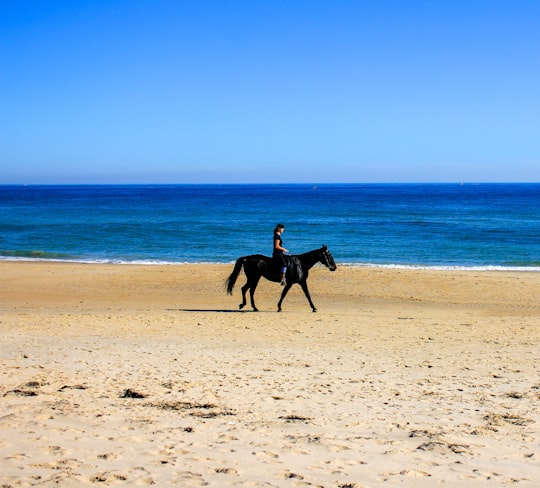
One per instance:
[(128, 375)]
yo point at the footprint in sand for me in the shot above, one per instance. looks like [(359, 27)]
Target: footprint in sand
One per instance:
[(267, 454), (108, 456), (413, 472), (226, 470)]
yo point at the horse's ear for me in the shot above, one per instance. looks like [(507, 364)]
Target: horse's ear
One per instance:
[(324, 246)]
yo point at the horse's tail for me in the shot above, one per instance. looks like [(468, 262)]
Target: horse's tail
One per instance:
[(231, 280)]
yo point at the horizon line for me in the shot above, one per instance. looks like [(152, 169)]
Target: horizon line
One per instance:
[(307, 183)]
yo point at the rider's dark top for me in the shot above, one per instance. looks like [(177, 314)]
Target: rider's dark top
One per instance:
[(276, 253)]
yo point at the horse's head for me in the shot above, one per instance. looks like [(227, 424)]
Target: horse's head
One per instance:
[(327, 259)]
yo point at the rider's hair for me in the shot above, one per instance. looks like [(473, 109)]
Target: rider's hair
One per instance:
[(279, 226)]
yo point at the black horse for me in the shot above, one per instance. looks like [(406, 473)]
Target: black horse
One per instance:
[(298, 268)]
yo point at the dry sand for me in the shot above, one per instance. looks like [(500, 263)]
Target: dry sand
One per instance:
[(149, 375)]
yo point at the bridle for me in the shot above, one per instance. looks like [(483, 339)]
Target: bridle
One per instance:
[(326, 259)]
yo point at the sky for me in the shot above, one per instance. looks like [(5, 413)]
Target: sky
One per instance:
[(263, 91)]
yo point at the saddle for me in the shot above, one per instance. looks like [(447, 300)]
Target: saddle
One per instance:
[(295, 273)]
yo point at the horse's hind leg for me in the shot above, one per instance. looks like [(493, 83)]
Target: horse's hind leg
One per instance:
[(252, 294), (244, 290), (251, 287)]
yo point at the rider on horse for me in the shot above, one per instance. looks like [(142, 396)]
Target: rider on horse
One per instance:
[(257, 266), (277, 253)]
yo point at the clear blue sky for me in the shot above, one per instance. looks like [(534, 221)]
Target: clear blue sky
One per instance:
[(163, 91)]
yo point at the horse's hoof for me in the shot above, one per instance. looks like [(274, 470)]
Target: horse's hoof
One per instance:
[(314, 310), (241, 306), (255, 309), (279, 309)]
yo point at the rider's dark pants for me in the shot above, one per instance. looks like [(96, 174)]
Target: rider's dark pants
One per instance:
[(279, 257)]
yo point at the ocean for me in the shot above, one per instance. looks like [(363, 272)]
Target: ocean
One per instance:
[(480, 226)]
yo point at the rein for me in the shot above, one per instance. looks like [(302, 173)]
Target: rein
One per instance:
[(319, 255)]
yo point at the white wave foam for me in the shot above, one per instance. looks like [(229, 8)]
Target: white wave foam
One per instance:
[(150, 262), (443, 267)]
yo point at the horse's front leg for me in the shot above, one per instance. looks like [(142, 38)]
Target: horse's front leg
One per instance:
[(283, 294), (308, 296)]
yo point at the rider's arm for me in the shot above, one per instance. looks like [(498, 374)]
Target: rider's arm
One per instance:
[(278, 247)]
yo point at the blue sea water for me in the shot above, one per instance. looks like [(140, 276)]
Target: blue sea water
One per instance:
[(425, 225)]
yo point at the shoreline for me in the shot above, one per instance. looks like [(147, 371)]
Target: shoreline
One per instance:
[(129, 375), (150, 262)]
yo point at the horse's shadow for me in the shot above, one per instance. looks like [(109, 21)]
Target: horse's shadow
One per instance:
[(212, 310)]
